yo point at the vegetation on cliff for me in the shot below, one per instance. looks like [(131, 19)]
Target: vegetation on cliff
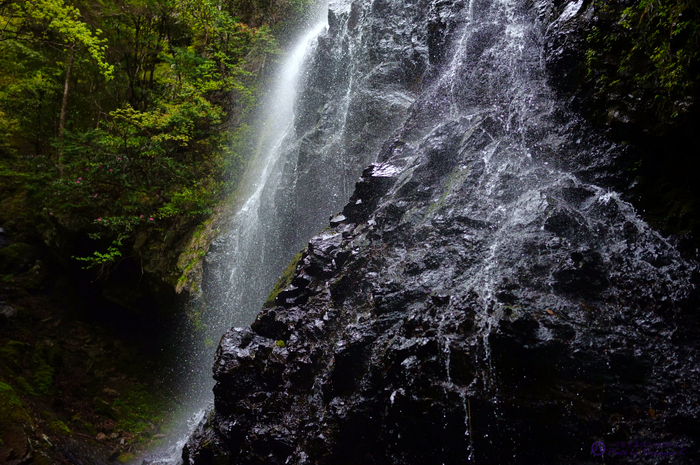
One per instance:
[(117, 116), (645, 56), (634, 73)]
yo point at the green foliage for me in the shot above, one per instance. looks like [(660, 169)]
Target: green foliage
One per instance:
[(29, 95), (651, 52), (147, 151), (103, 259), (38, 19)]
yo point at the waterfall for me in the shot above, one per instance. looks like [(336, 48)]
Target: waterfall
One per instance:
[(484, 296), (250, 253)]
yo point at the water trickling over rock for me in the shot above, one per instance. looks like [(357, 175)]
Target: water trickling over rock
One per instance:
[(484, 296)]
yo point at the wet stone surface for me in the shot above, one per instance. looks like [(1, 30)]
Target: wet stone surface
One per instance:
[(482, 298)]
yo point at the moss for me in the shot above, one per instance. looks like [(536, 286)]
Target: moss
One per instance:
[(10, 354), (126, 457), (16, 257), (9, 396), (104, 408), (89, 428), (137, 409), (44, 361), (283, 282), (190, 260), (24, 386), (12, 409), (453, 182), (43, 379), (59, 427)]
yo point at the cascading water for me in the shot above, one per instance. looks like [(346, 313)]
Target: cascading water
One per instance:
[(249, 256), (247, 259), (484, 297), (312, 162)]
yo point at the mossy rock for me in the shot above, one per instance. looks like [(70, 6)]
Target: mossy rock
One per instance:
[(12, 408), (190, 261), (283, 282), (59, 427), (104, 408), (126, 457), (13, 418), (45, 360), (24, 386), (89, 428), (11, 353)]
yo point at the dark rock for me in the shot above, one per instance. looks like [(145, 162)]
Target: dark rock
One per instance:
[(569, 24), (481, 298), (4, 240), (15, 448), (375, 181)]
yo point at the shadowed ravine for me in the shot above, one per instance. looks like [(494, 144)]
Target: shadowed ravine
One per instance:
[(485, 296)]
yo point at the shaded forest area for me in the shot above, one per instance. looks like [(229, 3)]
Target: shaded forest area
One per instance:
[(123, 126)]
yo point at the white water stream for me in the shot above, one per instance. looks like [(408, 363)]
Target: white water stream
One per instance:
[(243, 261)]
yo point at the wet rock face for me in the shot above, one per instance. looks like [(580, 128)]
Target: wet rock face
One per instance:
[(363, 76), (591, 59), (569, 22), (480, 299)]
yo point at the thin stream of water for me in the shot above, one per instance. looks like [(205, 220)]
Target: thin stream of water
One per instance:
[(245, 251)]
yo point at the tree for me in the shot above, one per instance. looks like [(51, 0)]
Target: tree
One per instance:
[(121, 112), (34, 31), (39, 20)]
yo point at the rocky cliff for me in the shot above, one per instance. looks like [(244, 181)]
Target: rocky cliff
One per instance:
[(485, 296)]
